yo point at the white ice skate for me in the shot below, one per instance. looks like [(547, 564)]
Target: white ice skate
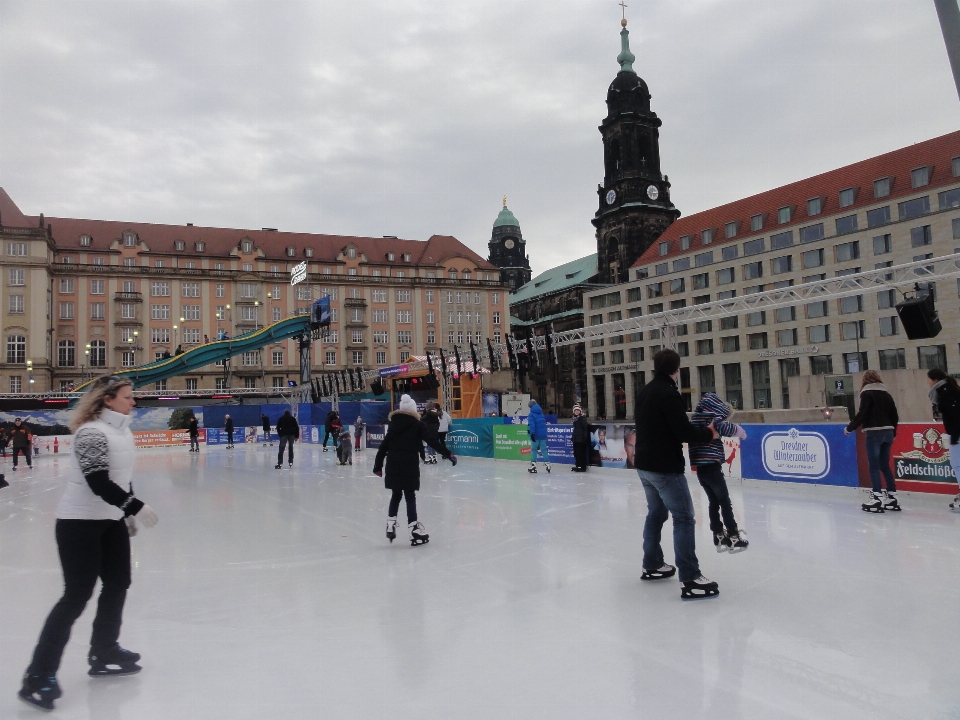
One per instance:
[(532, 468), (391, 529), (890, 502), (874, 504), (954, 506), (418, 534)]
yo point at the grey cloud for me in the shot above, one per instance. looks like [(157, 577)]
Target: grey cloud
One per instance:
[(411, 118)]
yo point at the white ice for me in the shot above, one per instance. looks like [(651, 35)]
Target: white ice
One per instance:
[(271, 593)]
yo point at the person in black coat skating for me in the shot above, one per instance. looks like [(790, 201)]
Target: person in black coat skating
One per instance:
[(193, 427), (266, 428), (431, 418), (945, 397), (289, 430), (328, 428), (401, 446), (581, 439), (228, 428)]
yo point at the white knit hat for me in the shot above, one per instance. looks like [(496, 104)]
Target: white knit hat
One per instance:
[(407, 404)]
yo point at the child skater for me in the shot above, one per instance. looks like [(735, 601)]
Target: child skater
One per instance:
[(707, 459), (358, 432), (344, 449), (401, 447)]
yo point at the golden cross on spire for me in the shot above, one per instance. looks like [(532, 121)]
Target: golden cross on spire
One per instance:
[(624, 7), (504, 200)]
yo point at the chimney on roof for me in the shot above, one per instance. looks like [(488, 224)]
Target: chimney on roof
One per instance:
[(41, 221), (269, 229), (392, 237), (189, 224)]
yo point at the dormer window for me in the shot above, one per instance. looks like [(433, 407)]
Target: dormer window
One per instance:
[(179, 245), (756, 222), (663, 248), (731, 229), (815, 206), (955, 166), (406, 257), (308, 252), (466, 275), (685, 242), (848, 196), (246, 246), (85, 240), (129, 240), (784, 215), (920, 176), (198, 246), (391, 257), (291, 252), (351, 252), (328, 271), (452, 274)]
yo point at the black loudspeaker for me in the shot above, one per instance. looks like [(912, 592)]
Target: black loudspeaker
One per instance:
[(431, 381), (376, 387), (918, 316)]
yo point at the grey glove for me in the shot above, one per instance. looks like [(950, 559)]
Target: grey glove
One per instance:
[(148, 517)]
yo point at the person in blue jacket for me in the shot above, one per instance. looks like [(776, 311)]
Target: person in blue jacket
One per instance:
[(537, 427)]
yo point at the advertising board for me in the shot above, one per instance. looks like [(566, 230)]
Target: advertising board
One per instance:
[(819, 454), (375, 435), (921, 459), (474, 441), (511, 442), (160, 438)]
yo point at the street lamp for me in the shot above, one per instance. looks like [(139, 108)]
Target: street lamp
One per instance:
[(87, 358), (256, 314), (30, 372)]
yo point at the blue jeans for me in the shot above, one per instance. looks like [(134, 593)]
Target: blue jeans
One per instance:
[(878, 444), (668, 494), (540, 445)]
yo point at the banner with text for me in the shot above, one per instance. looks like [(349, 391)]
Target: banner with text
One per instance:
[(817, 454)]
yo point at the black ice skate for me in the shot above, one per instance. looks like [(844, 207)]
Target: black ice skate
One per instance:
[(115, 661), (277, 467), (874, 504), (3, 481), (721, 542), (291, 466), (890, 502), (418, 534), (532, 468), (664, 572), (40, 691), (954, 506), (547, 466), (391, 529), (738, 541), (698, 589)]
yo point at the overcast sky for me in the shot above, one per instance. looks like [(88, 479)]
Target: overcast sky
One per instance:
[(412, 117)]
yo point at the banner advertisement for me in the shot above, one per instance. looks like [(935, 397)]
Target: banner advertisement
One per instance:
[(818, 454), (612, 446), (375, 435), (921, 458), (159, 438), (560, 444), (511, 442), (491, 404), (218, 436), (476, 441)]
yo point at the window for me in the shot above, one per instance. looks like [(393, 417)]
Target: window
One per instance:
[(920, 236), (128, 311), (757, 318), (602, 301), (404, 337), (706, 236), (677, 286), (191, 336), (127, 359), (920, 177), (853, 304), (814, 206), (955, 166), (66, 311), (852, 330), (356, 337), (681, 264), (403, 296), (817, 309), (597, 359), (847, 251), (756, 223), (247, 313), (753, 247), (431, 337), (159, 312), (893, 359), (190, 289), (685, 242), (729, 323), (98, 311), (66, 286), (751, 271), (731, 343), (192, 312), (66, 353), (701, 281), (786, 314), (889, 326), (404, 316), (757, 341), (98, 353), (160, 335), (725, 276), (16, 304), (781, 240), (847, 197), (251, 358), (785, 338), (917, 207), (381, 337), (931, 357), (882, 244), (730, 252), (330, 357), (381, 356), (782, 265), (496, 318), (846, 225), (17, 277), (247, 291), (704, 347), (878, 217), (784, 215), (160, 289), (661, 269), (881, 187), (949, 199), (357, 357), (733, 385), (663, 248), (821, 365), (179, 245), (811, 233), (818, 334), (16, 383), (277, 314), (655, 290), (450, 337), (730, 229), (886, 299)]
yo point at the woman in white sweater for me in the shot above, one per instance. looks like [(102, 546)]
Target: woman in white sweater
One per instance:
[(95, 520)]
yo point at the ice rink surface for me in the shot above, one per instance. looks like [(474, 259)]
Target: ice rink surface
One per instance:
[(271, 593)]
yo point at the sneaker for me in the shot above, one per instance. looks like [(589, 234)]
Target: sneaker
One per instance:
[(738, 541), (698, 589), (659, 574), (721, 542)]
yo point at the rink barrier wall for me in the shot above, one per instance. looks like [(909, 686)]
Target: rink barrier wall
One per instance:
[(919, 459)]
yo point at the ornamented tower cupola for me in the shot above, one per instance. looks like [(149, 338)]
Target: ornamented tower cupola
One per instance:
[(635, 205), (508, 250)]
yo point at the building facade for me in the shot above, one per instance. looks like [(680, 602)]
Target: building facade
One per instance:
[(508, 250), (896, 208), (88, 297)]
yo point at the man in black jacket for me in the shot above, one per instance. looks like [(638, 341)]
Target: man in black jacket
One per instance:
[(662, 428), (289, 430)]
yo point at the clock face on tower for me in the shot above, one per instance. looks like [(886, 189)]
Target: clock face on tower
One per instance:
[(508, 244), (611, 197), (652, 192)]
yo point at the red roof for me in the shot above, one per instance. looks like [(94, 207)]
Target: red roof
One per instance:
[(896, 165), (220, 242)]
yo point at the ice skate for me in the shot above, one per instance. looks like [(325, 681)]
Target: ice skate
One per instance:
[(874, 504), (954, 506), (738, 541), (418, 534), (324, 448), (3, 481), (547, 466), (40, 691), (277, 466), (698, 589), (664, 572), (721, 542), (290, 466), (115, 661), (391, 529), (532, 468), (890, 502)]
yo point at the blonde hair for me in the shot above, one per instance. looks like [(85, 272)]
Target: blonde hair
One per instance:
[(92, 403), (870, 377)]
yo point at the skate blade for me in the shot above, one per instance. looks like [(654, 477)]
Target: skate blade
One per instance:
[(657, 576), (109, 672), (37, 703), (893, 509), (723, 549), (701, 595), (423, 541), (735, 550), (871, 510)]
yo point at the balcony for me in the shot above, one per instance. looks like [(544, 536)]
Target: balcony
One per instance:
[(255, 300), (355, 302), (128, 297), (128, 322)]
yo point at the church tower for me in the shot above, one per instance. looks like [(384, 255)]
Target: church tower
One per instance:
[(635, 205), (508, 250)]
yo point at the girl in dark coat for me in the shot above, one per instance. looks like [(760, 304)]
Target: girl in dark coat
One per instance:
[(581, 439), (879, 419), (403, 441), (194, 430), (945, 396), (228, 427)]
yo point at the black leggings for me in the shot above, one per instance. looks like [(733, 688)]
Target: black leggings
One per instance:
[(288, 441), (411, 497), (581, 455), (27, 453), (715, 485), (88, 549)]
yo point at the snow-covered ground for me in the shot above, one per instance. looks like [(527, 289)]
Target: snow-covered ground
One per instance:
[(271, 593)]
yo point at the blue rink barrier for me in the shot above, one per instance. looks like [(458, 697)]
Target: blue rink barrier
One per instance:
[(817, 454)]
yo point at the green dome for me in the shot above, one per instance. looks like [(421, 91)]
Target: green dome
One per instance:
[(506, 218)]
